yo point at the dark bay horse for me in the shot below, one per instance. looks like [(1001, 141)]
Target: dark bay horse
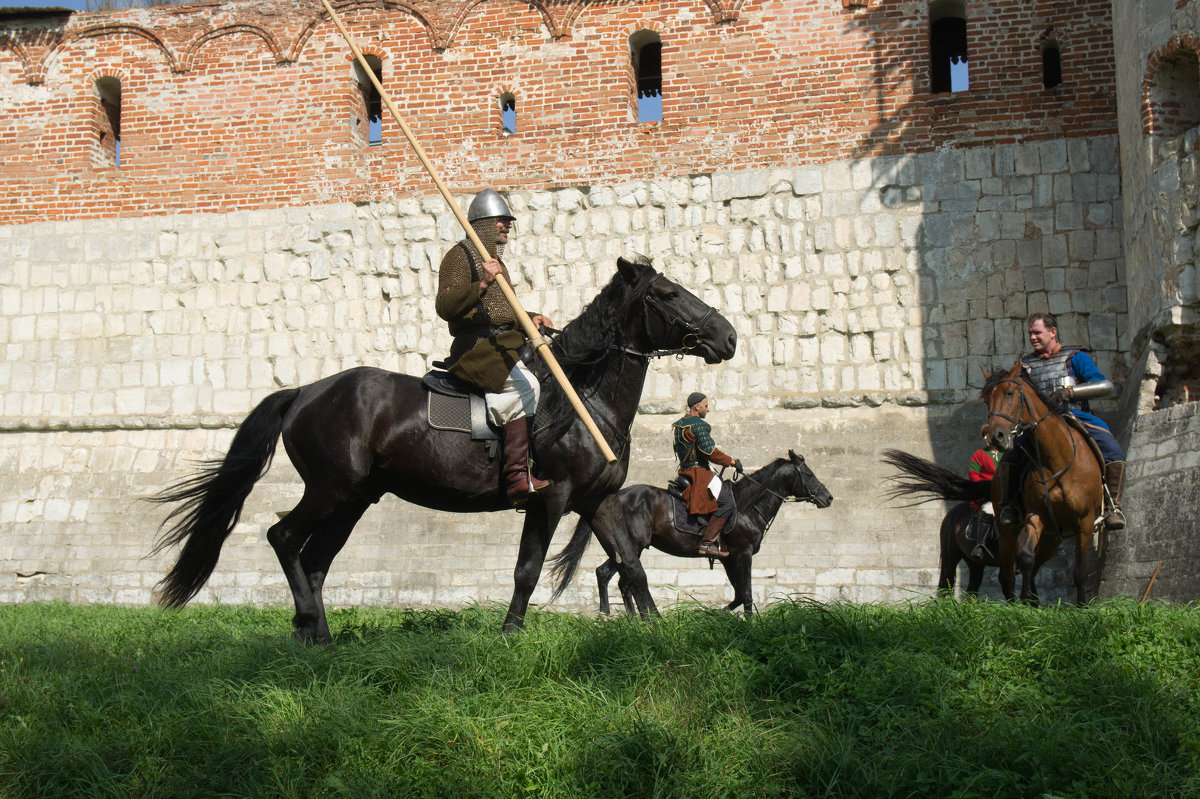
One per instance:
[(362, 433), (955, 547), (1062, 492), (648, 519)]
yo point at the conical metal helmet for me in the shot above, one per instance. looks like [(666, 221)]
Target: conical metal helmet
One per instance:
[(488, 203)]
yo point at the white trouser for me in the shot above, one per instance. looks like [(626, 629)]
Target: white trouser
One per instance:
[(518, 396)]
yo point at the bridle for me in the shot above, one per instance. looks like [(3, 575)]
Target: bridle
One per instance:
[(782, 497), (692, 333)]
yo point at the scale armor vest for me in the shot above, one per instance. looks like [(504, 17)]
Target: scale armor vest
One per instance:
[(1053, 373)]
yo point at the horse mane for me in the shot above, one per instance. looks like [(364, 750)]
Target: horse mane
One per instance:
[(994, 379), (595, 329), (581, 348), (754, 492)]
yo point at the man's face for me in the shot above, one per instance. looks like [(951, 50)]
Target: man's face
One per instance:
[(701, 408), (1044, 340), (502, 227)]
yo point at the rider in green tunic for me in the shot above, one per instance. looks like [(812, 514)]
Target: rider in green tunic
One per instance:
[(705, 494)]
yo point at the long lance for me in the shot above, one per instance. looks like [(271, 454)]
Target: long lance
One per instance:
[(541, 346)]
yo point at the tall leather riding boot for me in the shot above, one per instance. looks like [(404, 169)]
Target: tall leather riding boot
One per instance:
[(1009, 512), (519, 483), (1114, 478), (712, 533)]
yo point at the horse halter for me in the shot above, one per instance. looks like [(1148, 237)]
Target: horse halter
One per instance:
[(692, 333)]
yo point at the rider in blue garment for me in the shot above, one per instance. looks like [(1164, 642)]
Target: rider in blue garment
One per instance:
[(1068, 374)]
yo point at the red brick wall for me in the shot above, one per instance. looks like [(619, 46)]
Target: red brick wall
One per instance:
[(249, 104)]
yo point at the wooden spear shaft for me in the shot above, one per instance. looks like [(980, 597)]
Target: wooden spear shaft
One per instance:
[(541, 346)]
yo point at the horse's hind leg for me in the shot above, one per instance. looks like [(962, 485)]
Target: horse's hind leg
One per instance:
[(318, 553), (608, 524), (288, 537), (604, 575)]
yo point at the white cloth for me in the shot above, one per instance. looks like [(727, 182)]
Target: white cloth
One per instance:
[(715, 485), (518, 397)]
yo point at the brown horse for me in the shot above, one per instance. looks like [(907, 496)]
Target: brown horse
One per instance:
[(1062, 489)]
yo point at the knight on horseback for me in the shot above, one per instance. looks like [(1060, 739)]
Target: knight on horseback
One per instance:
[(1070, 376), (489, 349), (704, 494)]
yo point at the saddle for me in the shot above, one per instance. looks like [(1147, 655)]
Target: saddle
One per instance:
[(683, 521), (459, 407), (1080, 427)]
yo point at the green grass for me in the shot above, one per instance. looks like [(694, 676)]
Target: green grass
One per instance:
[(932, 700)]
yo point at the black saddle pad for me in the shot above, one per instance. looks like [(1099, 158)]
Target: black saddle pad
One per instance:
[(682, 520)]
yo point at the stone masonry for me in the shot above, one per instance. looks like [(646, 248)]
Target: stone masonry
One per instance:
[(867, 294)]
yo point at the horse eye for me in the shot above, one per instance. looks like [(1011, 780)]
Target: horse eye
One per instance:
[(671, 295)]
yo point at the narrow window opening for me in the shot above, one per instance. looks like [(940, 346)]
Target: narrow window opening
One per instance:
[(1175, 94), (1051, 66), (108, 120), (645, 50), (372, 103), (948, 46), (508, 114)]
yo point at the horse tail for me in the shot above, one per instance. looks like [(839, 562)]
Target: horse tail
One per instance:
[(564, 565), (212, 499), (926, 480)]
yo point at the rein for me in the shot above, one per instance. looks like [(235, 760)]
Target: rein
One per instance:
[(691, 332), (767, 522)]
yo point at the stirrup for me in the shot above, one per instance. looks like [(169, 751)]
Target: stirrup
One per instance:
[(712, 550), (1008, 515), (1114, 520)]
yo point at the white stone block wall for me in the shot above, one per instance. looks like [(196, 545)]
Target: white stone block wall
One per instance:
[(866, 296)]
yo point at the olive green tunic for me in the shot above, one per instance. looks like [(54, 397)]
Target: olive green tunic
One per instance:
[(487, 338)]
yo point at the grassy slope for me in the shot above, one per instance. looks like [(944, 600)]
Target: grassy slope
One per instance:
[(936, 699)]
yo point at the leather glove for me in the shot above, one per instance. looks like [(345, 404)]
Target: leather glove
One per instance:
[(1062, 395), (737, 466)]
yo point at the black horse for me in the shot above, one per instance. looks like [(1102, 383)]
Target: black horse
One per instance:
[(364, 432), (649, 516), (929, 481), (957, 547)]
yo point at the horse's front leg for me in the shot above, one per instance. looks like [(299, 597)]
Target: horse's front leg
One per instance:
[(737, 569), (608, 524), (1007, 556), (1083, 548), (540, 522), (1034, 550)]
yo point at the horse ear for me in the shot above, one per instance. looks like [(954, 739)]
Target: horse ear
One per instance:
[(986, 374), (630, 270), (792, 454)]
